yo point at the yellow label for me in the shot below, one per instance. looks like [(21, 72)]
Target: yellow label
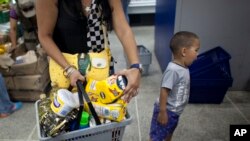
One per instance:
[(114, 111), (107, 89), (59, 107), (57, 104)]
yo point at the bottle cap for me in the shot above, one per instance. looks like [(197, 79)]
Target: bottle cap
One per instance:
[(42, 96), (53, 84), (84, 119)]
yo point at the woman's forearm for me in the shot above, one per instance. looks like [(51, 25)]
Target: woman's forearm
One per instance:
[(13, 32), (52, 50), (45, 9), (124, 32)]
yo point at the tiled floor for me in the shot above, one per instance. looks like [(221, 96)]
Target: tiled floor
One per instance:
[(199, 122)]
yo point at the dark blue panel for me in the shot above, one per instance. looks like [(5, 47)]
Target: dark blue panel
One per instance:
[(164, 30)]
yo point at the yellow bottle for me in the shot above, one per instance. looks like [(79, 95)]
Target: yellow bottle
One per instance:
[(109, 89), (2, 49)]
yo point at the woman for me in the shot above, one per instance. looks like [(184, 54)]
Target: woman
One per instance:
[(68, 26), (24, 11)]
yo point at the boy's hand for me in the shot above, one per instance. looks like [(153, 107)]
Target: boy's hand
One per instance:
[(162, 117)]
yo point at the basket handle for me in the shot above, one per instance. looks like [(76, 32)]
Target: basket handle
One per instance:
[(82, 93)]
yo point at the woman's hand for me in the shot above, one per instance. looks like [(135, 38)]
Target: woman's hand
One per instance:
[(76, 75), (133, 76)]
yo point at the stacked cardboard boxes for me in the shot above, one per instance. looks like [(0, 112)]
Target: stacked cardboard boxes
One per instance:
[(27, 80)]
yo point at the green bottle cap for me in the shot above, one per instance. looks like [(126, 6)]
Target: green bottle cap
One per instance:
[(84, 119)]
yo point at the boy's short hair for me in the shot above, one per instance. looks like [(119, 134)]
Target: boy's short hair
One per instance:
[(182, 39)]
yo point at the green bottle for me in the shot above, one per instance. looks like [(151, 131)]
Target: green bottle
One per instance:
[(84, 123)]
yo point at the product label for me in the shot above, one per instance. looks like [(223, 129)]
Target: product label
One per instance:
[(59, 107), (56, 103), (121, 82), (102, 94), (111, 111), (92, 85), (114, 114)]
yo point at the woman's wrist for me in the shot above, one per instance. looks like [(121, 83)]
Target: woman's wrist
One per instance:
[(137, 66), (68, 71)]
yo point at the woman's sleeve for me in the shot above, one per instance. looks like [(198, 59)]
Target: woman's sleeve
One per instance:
[(13, 13)]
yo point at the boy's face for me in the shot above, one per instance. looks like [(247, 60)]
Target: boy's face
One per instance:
[(192, 53)]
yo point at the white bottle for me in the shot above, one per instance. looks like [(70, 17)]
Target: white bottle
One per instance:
[(64, 102)]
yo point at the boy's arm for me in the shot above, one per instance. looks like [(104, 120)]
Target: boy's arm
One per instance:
[(163, 98), (163, 117)]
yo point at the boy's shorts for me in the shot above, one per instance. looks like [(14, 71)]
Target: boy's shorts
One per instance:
[(159, 132)]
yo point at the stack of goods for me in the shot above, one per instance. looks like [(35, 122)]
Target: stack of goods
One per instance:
[(106, 97), (4, 26), (26, 74), (59, 113)]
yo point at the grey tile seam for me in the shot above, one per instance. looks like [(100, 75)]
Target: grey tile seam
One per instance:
[(32, 132), (138, 119), (237, 109)]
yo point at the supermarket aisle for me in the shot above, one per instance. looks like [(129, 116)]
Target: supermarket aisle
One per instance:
[(199, 121), (208, 122)]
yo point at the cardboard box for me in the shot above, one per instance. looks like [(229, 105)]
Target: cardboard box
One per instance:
[(4, 38), (9, 82), (32, 82), (29, 95), (25, 95), (37, 67)]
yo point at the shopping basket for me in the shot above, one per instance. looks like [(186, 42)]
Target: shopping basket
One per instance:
[(105, 132)]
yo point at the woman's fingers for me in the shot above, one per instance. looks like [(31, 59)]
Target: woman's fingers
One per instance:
[(76, 75)]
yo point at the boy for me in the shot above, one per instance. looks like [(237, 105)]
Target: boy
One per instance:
[(175, 86)]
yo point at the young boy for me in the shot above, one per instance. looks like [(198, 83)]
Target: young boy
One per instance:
[(175, 86)]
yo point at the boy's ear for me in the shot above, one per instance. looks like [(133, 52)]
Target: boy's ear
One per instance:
[(183, 52)]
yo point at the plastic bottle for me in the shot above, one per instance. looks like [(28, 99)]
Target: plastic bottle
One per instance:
[(63, 103), (84, 123), (53, 125), (44, 105), (109, 89), (60, 112), (53, 91), (49, 121)]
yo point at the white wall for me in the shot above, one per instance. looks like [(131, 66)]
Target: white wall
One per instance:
[(224, 23)]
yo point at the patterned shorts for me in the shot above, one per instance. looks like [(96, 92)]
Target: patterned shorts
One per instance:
[(159, 132)]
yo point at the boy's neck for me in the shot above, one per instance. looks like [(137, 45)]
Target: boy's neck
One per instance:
[(179, 62)]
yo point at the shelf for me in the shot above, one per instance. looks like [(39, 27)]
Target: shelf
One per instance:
[(142, 7)]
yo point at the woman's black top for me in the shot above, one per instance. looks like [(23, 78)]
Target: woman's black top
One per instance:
[(70, 33)]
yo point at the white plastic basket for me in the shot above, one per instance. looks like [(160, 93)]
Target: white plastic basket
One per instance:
[(105, 132)]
